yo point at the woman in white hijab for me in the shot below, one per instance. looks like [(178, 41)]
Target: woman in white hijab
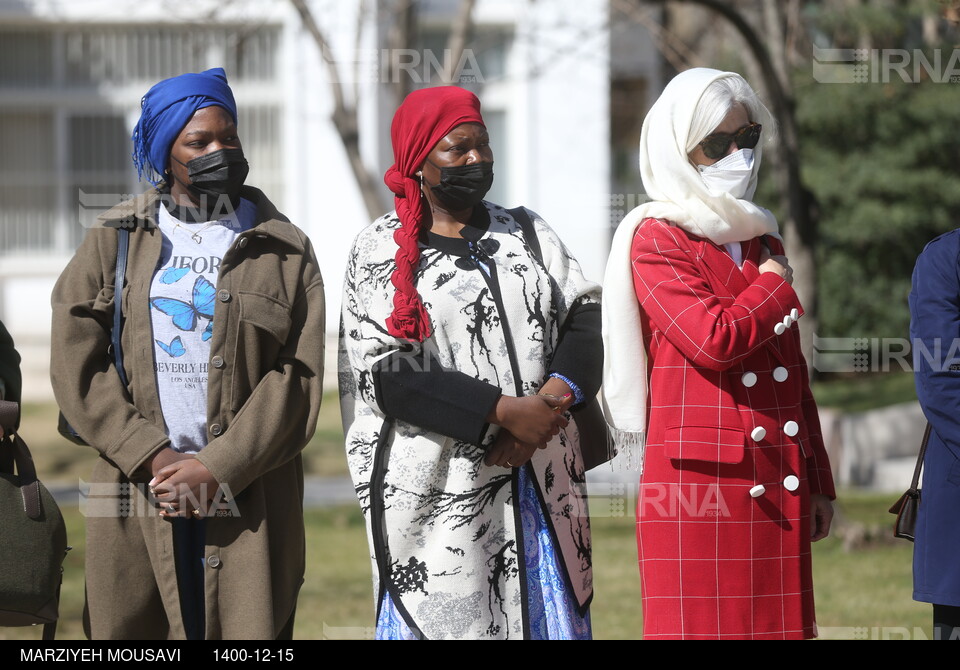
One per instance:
[(704, 368)]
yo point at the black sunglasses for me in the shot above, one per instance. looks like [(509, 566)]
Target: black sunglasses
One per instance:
[(715, 145)]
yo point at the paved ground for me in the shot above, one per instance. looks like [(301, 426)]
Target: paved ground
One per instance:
[(320, 491), (317, 491)]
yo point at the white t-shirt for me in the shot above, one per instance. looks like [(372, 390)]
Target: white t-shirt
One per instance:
[(182, 298)]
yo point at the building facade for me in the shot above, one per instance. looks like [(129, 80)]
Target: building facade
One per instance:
[(72, 74)]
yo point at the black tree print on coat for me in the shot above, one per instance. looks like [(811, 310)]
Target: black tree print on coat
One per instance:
[(443, 278), (503, 566), (579, 525), (446, 520), (455, 510), (482, 317), (409, 577)]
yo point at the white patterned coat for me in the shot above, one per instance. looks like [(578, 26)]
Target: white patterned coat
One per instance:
[(444, 527)]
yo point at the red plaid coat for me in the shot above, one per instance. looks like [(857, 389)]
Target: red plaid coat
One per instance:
[(734, 448)]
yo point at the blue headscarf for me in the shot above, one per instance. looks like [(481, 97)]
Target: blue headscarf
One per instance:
[(166, 109)]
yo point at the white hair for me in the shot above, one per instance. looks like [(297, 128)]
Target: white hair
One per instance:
[(717, 101)]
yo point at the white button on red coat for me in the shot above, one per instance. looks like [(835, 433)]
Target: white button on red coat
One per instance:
[(788, 320), (794, 313), (780, 374), (779, 329), (749, 379), (758, 433), (791, 428), (791, 482), (758, 491)]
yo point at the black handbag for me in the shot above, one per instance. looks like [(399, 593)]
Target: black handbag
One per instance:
[(123, 245), (908, 504), (33, 534), (596, 446)]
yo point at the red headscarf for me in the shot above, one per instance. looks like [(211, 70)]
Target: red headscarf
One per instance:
[(424, 118)]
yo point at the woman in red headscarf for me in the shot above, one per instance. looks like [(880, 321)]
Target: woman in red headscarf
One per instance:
[(468, 330)]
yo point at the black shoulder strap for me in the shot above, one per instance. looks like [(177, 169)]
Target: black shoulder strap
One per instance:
[(521, 216), (123, 246), (915, 482)]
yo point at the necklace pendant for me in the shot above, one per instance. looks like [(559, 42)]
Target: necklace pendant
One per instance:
[(196, 238)]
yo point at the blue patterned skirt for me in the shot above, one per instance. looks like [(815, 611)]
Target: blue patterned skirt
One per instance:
[(552, 606)]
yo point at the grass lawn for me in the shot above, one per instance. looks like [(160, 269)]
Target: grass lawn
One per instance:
[(862, 576), (862, 588), (865, 391)]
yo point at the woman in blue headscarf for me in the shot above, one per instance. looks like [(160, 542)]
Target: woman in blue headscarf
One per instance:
[(194, 523)]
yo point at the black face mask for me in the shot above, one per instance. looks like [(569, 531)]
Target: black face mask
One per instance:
[(463, 186), (217, 174)]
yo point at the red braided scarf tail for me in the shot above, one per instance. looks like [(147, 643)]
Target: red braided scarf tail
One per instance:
[(421, 121), (409, 319)]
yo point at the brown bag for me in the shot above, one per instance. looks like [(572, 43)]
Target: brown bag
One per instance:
[(906, 509), (908, 505)]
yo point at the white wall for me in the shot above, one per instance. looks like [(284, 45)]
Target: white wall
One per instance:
[(563, 127)]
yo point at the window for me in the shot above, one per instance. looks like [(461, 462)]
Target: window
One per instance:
[(27, 186), (69, 97)]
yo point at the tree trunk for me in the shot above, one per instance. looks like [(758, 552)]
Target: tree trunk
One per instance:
[(401, 34), (400, 37), (793, 197)]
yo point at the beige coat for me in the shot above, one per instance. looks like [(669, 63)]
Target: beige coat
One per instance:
[(262, 404)]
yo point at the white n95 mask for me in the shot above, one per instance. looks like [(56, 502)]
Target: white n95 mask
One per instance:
[(730, 174)]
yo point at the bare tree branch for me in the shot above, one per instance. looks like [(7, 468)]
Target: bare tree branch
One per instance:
[(671, 46), (362, 13), (457, 40), (344, 116), (306, 16)]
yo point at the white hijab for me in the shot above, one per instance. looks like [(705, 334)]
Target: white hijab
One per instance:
[(678, 195)]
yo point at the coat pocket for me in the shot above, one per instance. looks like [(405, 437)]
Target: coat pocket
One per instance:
[(265, 313), (714, 444)]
